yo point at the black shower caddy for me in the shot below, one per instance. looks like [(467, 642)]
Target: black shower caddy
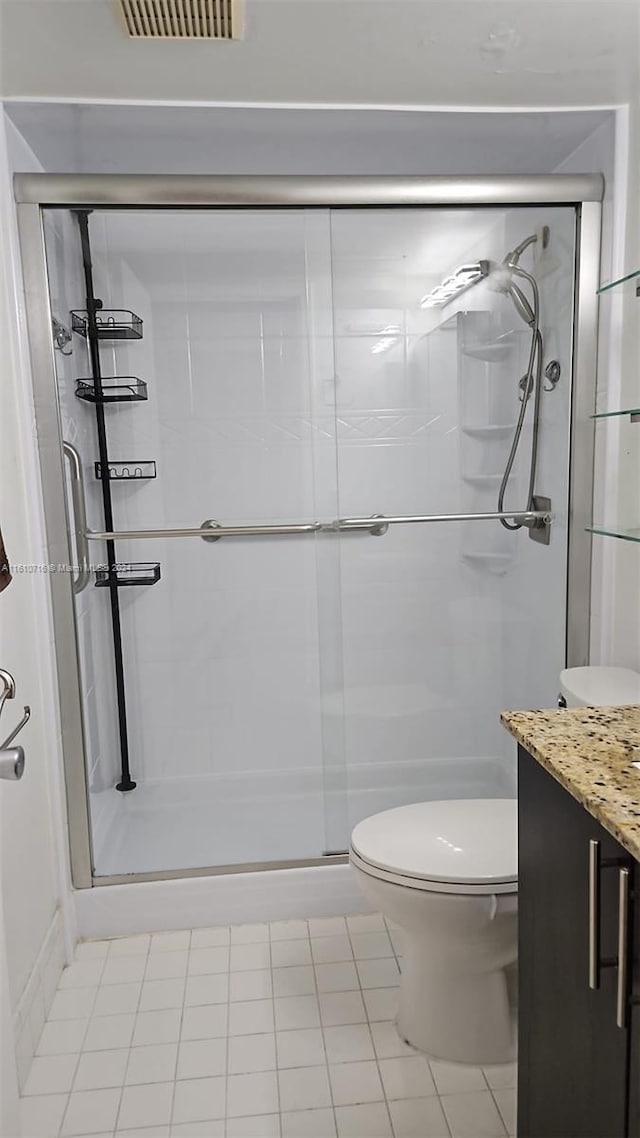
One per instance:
[(97, 324)]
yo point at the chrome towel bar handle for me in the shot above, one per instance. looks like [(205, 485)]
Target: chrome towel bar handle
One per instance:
[(81, 581)]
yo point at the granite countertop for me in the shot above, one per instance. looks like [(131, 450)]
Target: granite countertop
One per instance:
[(589, 751)]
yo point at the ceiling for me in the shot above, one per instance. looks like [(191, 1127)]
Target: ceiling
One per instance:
[(497, 53)]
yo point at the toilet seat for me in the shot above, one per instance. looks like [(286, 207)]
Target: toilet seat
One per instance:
[(466, 846)]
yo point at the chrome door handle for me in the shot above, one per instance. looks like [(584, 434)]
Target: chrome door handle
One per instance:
[(79, 517), (12, 763), (624, 878), (594, 914)]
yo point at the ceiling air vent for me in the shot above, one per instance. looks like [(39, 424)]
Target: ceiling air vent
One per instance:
[(183, 19)]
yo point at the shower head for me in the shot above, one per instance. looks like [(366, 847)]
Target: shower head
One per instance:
[(521, 303)]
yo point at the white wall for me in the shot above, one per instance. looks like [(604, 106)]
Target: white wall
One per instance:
[(33, 884)]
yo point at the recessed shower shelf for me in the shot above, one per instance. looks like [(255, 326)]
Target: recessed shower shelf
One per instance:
[(142, 573), (115, 389), (131, 471), (632, 280), (495, 430), (492, 351), (111, 324), (497, 563), (632, 412), (621, 532)]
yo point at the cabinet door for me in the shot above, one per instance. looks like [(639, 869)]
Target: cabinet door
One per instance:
[(634, 1012), (572, 1055)]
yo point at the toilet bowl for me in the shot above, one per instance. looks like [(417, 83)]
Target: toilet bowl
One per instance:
[(446, 873)]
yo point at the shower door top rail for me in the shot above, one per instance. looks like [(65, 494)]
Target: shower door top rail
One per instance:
[(377, 525), (202, 190)]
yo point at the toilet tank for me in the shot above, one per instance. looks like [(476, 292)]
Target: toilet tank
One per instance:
[(599, 687)]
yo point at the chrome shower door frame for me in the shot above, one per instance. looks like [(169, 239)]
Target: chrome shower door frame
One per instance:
[(36, 192)]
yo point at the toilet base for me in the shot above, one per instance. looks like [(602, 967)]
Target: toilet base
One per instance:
[(455, 1015)]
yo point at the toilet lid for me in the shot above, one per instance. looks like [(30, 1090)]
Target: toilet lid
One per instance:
[(471, 842)]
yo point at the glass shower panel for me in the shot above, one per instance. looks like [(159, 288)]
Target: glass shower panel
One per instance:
[(222, 661), (445, 624)]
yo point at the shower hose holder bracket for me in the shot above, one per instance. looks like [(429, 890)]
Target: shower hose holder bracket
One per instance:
[(540, 529)]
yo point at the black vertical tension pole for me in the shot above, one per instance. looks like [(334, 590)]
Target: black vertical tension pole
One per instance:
[(94, 306)]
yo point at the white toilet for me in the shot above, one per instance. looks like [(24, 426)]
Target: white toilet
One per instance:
[(446, 873)]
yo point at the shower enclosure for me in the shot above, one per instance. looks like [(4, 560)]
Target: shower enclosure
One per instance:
[(274, 419)]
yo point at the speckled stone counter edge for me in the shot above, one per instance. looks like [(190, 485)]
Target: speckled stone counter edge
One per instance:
[(589, 751)]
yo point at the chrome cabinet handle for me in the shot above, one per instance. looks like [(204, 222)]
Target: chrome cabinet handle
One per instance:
[(80, 517), (594, 914), (624, 878)]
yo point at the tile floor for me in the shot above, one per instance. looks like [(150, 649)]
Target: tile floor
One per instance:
[(281, 1030)]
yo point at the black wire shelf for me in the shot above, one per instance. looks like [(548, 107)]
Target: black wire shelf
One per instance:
[(115, 389), (111, 324), (127, 575), (133, 470)]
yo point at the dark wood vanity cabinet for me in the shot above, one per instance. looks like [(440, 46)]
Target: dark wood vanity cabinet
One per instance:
[(579, 1031)]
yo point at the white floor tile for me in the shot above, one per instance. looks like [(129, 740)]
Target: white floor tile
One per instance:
[(378, 973), (210, 938), (418, 1118), (506, 1102), (456, 1078), (208, 961), (369, 1121), (82, 974), (297, 980), (309, 1124), (99, 1070), (336, 977), (349, 1043), (213, 1128), (137, 945), (252, 1094), (296, 1011), (327, 926), (258, 1126), (286, 953), (62, 1036), (249, 934), (170, 942), (366, 923), (157, 1027), (123, 969), (197, 1100), (304, 1088), (108, 1032), (207, 1021), (202, 1058), (338, 1008), (288, 930), (147, 1105), (206, 990), (398, 938), (117, 999), (250, 1053), (51, 1074), (250, 957), (331, 949), (501, 1075), (73, 1003), (381, 1003), (408, 1077), (157, 995), (250, 985), (91, 949), (166, 965), (473, 1115), (251, 1017), (371, 946), (154, 1063), (387, 1042), (145, 1132), (300, 1048), (90, 1111), (353, 1083), (41, 1115)]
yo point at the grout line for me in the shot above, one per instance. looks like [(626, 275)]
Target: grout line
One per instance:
[(133, 1028)]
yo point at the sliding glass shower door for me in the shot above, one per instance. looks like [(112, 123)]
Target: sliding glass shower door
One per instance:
[(285, 370)]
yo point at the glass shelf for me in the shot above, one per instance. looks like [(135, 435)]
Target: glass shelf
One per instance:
[(616, 531), (632, 412), (630, 277)]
